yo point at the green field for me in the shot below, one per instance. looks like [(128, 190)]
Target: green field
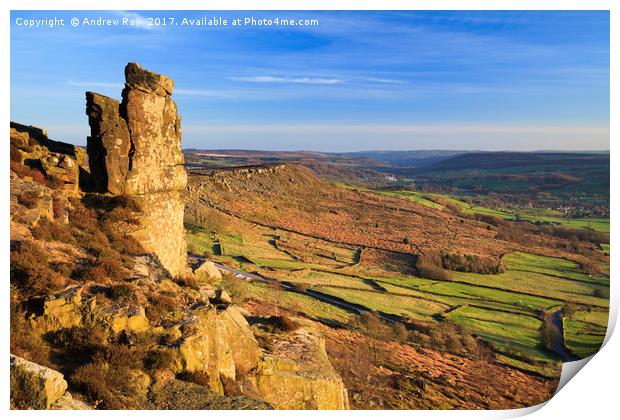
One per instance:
[(532, 214), (503, 309), (584, 331)]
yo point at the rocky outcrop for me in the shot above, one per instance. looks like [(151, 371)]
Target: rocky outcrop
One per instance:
[(34, 385), (135, 149), (297, 375), (221, 344), (38, 387), (109, 143), (45, 174), (61, 163), (126, 318), (64, 309), (243, 346), (207, 272), (199, 349)]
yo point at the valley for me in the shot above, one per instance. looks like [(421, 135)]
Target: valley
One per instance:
[(333, 252)]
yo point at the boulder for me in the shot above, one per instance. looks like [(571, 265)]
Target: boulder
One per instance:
[(240, 339), (216, 296), (127, 318), (67, 402), (298, 376), (207, 272), (206, 350), (64, 309), (35, 386)]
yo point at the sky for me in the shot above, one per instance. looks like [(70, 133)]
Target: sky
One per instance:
[(402, 80)]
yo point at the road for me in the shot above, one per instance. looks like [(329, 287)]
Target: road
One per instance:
[(557, 347), (340, 303)]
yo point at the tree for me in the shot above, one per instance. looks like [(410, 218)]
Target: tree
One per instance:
[(375, 330), (400, 331), (277, 297)]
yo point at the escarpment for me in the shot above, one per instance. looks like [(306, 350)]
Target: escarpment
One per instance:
[(135, 149), (105, 312)]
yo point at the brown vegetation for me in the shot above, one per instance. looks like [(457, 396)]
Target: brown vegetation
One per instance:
[(430, 266), (422, 378), (31, 271), (590, 268), (24, 171), (471, 263), (199, 377), (236, 288), (280, 324)]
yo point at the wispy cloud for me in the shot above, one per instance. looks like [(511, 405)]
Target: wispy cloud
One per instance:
[(206, 93), (382, 128), (141, 22), (298, 80), (383, 80), (341, 137)]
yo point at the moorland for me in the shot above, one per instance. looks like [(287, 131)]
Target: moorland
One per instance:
[(422, 269)]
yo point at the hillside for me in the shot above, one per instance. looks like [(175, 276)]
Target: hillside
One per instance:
[(406, 158), (468, 287), (250, 280), (577, 184), (562, 184), (107, 311), (525, 161), (291, 197)]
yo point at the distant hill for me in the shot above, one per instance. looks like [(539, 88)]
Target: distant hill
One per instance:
[(572, 182), (522, 161), (410, 158), (405, 158)]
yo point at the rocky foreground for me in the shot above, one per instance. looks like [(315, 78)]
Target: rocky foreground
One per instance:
[(105, 310)]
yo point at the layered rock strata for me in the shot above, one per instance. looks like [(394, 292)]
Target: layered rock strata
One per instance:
[(135, 149)]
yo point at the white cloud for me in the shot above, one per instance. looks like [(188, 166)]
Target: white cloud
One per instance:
[(205, 93), (382, 80), (300, 80), (141, 21)]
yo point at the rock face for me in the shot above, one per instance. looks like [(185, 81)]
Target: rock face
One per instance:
[(298, 376), (38, 387), (45, 175), (60, 162), (207, 272), (135, 149), (222, 346), (43, 386)]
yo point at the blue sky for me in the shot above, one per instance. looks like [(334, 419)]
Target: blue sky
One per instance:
[(357, 81)]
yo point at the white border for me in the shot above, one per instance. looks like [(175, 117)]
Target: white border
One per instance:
[(591, 395)]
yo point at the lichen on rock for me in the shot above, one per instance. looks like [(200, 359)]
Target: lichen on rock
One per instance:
[(297, 375), (150, 330), (35, 386), (135, 149)]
